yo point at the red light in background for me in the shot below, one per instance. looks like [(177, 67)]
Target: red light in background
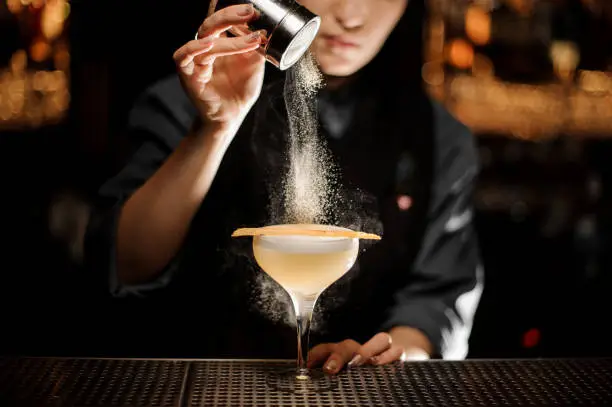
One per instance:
[(531, 338)]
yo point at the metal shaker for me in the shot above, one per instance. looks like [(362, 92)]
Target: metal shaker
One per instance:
[(290, 28)]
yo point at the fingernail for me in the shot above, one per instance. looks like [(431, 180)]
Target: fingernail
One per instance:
[(255, 37), (356, 361), (246, 11), (331, 365), (374, 360)]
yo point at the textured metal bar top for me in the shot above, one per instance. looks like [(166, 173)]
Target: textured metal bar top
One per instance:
[(185, 383)]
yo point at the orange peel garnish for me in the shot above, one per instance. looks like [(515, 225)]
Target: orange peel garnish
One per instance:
[(312, 230)]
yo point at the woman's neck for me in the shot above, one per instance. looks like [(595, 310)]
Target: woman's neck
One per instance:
[(337, 82)]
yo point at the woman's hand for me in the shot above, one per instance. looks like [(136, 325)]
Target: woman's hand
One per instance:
[(383, 348), (222, 75)]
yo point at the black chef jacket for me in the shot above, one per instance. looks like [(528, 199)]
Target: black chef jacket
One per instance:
[(409, 178)]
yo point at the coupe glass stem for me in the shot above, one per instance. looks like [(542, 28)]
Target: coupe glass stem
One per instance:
[(303, 306)]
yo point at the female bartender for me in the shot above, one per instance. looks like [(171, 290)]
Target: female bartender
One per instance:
[(207, 147)]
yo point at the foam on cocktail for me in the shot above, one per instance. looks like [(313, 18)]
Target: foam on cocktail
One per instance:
[(305, 244)]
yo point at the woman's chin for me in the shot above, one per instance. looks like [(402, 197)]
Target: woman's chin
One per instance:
[(338, 72), (337, 67)]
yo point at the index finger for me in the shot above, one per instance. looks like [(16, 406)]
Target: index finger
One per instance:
[(185, 55), (319, 353), (342, 353), (223, 19), (380, 343)]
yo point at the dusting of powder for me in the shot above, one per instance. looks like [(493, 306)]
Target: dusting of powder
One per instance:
[(271, 300), (308, 188), (310, 192), (309, 185)]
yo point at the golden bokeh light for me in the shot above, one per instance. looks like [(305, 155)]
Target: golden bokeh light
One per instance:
[(52, 19), (565, 56), (433, 73), (595, 81), (460, 53), (478, 25), (40, 50), (14, 6), (19, 61), (483, 66), (523, 7), (61, 56), (30, 95)]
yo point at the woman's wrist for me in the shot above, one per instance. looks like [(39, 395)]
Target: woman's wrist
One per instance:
[(213, 135), (416, 344)]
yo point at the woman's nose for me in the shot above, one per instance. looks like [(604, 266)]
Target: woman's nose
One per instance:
[(351, 14)]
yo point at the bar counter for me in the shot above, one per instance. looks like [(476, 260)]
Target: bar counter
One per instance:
[(202, 382)]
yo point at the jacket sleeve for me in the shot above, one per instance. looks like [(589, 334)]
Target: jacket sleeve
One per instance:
[(446, 280), (156, 125)]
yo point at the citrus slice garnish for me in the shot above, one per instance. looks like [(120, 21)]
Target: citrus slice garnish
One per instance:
[(304, 230)]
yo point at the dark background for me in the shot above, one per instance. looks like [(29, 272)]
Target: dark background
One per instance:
[(545, 248)]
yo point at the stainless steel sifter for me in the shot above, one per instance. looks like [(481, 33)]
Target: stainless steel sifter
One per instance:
[(290, 28)]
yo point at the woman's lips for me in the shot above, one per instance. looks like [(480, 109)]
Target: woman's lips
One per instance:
[(336, 41)]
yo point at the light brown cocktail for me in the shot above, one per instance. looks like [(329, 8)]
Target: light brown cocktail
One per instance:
[(305, 259)]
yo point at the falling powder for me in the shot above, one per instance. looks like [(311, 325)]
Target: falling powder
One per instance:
[(309, 184), (310, 192)]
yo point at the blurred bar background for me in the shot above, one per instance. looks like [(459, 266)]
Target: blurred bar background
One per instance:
[(532, 78)]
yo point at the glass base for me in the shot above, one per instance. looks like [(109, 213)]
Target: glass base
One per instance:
[(302, 381)]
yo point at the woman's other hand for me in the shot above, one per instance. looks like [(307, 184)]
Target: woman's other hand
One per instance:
[(402, 343)]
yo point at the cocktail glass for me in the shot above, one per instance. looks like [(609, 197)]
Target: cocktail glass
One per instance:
[(304, 265)]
